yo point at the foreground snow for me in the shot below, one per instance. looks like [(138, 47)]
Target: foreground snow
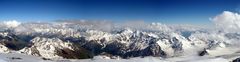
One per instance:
[(17, 57)]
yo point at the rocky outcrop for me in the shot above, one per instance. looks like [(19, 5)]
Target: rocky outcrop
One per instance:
[(12, 41), (236, 60)]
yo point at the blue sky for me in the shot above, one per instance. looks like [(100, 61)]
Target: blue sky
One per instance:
[(164, 11)]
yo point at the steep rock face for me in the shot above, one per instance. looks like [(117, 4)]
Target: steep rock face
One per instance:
[(77, 53), (236, 60), (154, 50), (54, 48), (12, 41)]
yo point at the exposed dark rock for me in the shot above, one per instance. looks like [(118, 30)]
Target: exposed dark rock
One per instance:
[(115, 48), (35, 51), (202, 53), (15, 42), (236, 60), (155, 50), (46, 58), (77, 53), (120, 50), (14, 58), (94, 47)]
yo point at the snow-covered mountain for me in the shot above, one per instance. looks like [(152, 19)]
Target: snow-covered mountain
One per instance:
[(79, 40), (88, 39), (53, 48)]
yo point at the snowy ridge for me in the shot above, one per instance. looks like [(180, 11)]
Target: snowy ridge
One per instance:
[(46, 47)]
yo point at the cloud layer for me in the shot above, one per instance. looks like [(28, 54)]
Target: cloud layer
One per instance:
[(227, 21)]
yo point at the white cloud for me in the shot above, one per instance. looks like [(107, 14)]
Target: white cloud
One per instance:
[(227, 21), (12, 23)]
